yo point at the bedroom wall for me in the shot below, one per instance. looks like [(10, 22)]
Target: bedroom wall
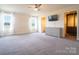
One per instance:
[(21, 23), (60, 13)]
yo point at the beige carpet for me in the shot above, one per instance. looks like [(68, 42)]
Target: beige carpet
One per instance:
[(37, 44)]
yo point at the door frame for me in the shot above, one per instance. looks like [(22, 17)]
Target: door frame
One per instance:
[(43, 27), (65, 18)]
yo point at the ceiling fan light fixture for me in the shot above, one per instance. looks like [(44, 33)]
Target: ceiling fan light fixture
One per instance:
[(35, 9)]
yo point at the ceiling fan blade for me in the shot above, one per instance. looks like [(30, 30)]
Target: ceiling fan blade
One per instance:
[(37, 5)]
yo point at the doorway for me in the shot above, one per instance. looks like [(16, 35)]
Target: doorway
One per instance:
[(71, 25), (43, 23)]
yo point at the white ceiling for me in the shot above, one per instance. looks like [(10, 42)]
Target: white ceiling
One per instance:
[(24, 8)]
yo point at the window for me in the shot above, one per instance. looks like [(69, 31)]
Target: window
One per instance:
[(7, 23), (34, 24)]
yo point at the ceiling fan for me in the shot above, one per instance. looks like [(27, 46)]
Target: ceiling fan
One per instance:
[(36, 7)]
